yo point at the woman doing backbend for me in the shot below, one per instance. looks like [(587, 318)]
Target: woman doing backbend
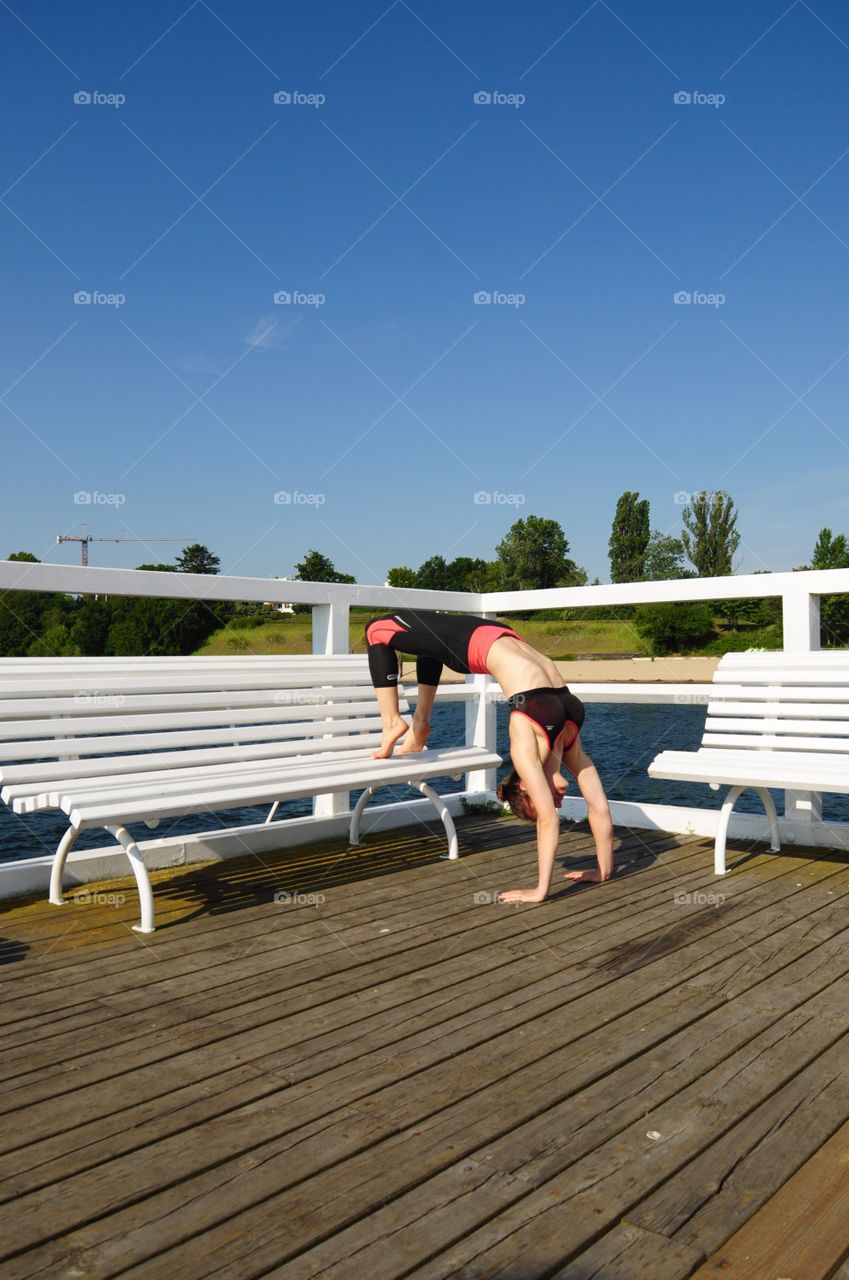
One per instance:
[(545, 722)]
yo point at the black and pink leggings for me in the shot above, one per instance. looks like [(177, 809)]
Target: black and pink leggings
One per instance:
[(460, 641)]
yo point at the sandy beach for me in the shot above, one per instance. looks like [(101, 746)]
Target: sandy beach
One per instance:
[(642, 670)]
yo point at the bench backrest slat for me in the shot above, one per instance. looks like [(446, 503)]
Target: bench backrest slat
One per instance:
[(180, 712), (780, 702)]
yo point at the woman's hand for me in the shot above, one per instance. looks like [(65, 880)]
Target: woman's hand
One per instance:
[(522, 895), (559, 787), (585, 877)]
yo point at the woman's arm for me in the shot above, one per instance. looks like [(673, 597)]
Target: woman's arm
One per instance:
[(598, 813), (526, 761)]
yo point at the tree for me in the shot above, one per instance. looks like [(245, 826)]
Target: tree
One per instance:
[(162, 568), (671, 628), (21, 614), (466, 573), (664, 558), (832, 552), (710, 536), (535, 554), (317, 567), (433, 574), (90, 628), (197, 559), (402, 576), (629, 538)]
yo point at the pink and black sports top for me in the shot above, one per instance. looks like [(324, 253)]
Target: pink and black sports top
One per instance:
[(556, 711)]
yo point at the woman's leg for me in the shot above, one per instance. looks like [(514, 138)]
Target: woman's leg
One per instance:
[(585, 773), (428, 671), (383, 666), (393, 726)]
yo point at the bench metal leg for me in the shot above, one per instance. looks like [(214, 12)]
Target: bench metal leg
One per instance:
[(427, 791), (772, 816), (59, 858), (354, 829), (272, 811), (722, 830), (725, 818), (442, 809), (133, 852)]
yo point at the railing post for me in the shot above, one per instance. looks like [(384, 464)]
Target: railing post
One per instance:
[(330, 635), (481, 732), (481, 727), (330, 628), (801, 624), (801, 621)]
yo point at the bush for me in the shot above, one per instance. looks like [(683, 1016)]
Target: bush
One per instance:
[(741, 641), (674, 628), (246, 622)]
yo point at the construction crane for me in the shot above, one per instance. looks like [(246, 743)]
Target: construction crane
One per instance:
[(90, 537)]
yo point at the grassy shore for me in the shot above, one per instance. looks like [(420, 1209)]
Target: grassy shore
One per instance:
[(292, 633)]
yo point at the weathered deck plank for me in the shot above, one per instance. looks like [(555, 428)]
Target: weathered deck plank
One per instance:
[(406, 1082), (803, 1230)]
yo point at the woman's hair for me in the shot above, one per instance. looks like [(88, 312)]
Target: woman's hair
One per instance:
[(510, 791)]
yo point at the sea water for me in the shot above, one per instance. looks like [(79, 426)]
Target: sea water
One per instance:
[(621, 738)]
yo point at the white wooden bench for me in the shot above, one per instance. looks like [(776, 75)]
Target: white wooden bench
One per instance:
[(115, 741), (779, 720)]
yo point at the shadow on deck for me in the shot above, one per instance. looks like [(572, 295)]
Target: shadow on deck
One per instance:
[(380, 1072)]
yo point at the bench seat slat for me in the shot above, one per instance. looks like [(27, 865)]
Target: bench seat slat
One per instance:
[(29, 798), (353, 776), (750, 768), (18, 779), (330, 765)]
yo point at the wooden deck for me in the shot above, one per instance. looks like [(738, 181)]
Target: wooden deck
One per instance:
[(407, 1080)]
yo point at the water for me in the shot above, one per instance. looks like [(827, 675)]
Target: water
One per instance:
[(621, 739)]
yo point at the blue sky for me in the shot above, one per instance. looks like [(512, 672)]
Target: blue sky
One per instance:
[(581, 197)]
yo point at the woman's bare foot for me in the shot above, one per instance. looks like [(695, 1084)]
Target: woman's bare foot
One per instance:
[(417, 737), (522, 895), (390, 735)]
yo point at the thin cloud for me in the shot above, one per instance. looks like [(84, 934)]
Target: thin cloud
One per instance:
[(269, 333)]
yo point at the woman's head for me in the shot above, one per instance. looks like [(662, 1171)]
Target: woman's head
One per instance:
[(511, 790)]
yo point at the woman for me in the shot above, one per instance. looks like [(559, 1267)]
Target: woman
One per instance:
[(545, 722)]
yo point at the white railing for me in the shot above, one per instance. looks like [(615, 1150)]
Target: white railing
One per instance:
[(331, 604)]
